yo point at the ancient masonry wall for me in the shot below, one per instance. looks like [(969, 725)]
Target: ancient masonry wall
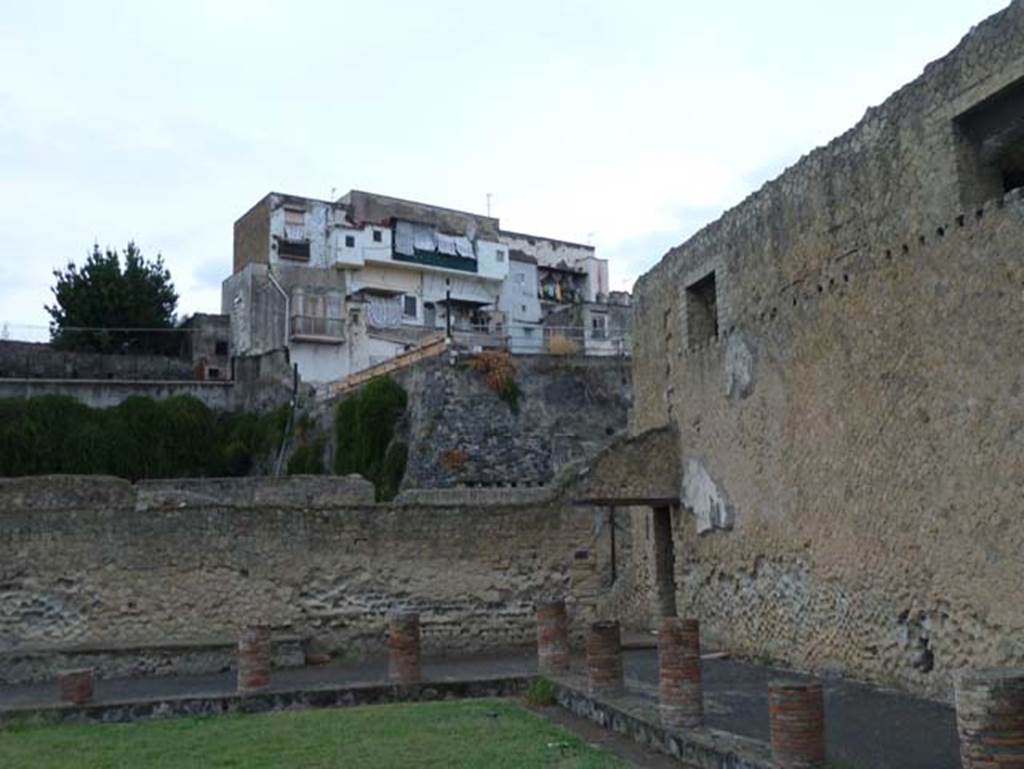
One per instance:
[(852, 441), (99, 562), (461, 434)]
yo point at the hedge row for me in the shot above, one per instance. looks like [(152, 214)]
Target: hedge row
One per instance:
[(139, 438)]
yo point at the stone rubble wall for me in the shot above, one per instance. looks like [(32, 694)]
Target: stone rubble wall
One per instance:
[(460, 433), (100, 562), (32, 360), (852, 442)]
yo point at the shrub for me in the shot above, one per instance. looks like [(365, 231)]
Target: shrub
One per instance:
[(308, 459), (365, 427), (139, 438), (499, 375), (540, 693), (453, 459), (559, 344), (392, 471)]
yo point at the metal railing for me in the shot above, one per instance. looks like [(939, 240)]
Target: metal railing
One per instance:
[(317, 326), (555, 340)]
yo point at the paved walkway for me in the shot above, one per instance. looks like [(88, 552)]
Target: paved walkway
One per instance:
[(866, 728)]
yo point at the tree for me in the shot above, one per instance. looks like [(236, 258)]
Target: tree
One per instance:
[(102, 295)]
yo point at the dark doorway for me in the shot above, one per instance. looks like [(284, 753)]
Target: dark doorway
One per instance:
[(664, 564)]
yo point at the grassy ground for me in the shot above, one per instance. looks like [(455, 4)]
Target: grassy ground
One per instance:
[(491, 734)]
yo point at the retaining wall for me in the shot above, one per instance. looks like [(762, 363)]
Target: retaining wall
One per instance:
[(100, 562)]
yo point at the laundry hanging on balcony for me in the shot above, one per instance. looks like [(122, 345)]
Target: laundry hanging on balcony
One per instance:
[(384, 311)]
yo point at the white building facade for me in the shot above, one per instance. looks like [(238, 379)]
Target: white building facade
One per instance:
[(350, 283)]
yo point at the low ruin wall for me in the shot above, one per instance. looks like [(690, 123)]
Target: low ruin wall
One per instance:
[(98, 562), (103, 393), (31, 360)]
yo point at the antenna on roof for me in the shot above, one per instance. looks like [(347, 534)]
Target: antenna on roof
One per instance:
[(488, 204)]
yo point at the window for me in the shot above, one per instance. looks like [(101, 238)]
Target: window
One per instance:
[(291, 249), (220, 347), (350, 241), (701, 312), (499, 255), (409, 307), (990, 146), (598, 326), (520, 279), (294, 223), (213, 373), (377, 236)]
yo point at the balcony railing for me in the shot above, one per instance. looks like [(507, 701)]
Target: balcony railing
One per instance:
[(317, 328), (436, 259), (556, 340)]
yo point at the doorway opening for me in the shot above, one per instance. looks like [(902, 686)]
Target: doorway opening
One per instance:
[(664, 564)]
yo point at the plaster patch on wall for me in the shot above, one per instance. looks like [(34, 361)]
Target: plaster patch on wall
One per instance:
[(739, 367), (702, 495)]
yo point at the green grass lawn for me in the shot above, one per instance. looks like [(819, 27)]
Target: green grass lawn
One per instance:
[(490, 734)]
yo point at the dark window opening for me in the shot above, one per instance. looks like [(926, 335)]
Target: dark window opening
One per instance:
[(220, 347), (990, 144), (377, 237), (1013, 178), (409, 306), (293, 249), (350, 241), (213, 373), (702, 312)]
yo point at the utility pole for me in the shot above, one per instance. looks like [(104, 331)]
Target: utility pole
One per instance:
[(448, 308), (488, 204)]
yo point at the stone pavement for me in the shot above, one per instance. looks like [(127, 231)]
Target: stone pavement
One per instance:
[(866, 728)]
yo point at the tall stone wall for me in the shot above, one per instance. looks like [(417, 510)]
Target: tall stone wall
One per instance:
[(461, 433), (98, 561), (852, 439)]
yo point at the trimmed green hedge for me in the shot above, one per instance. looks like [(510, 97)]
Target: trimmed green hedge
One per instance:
[(308, 459), (365, 428), (139, 438)]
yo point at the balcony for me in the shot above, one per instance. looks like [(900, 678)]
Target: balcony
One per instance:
[(437, 259), (316, 328)]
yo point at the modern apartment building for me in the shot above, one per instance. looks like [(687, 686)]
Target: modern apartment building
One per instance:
[(349, 283)]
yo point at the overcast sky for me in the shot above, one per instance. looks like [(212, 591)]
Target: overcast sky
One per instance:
[(625, 124)]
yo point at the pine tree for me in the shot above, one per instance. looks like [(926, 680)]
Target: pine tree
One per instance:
[(101, 295)]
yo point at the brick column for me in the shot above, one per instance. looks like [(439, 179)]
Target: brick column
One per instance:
[(680, 694), (990, 718), (76, 686), (254, 655), (796, 712), (552, 638), (604, 659), (404, 647)]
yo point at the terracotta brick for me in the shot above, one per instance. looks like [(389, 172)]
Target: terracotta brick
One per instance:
[(680, 693), (404, 647), (990, 718), (796, 712), (552, 638), (254, 655), (604, 659), (76, 686)]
